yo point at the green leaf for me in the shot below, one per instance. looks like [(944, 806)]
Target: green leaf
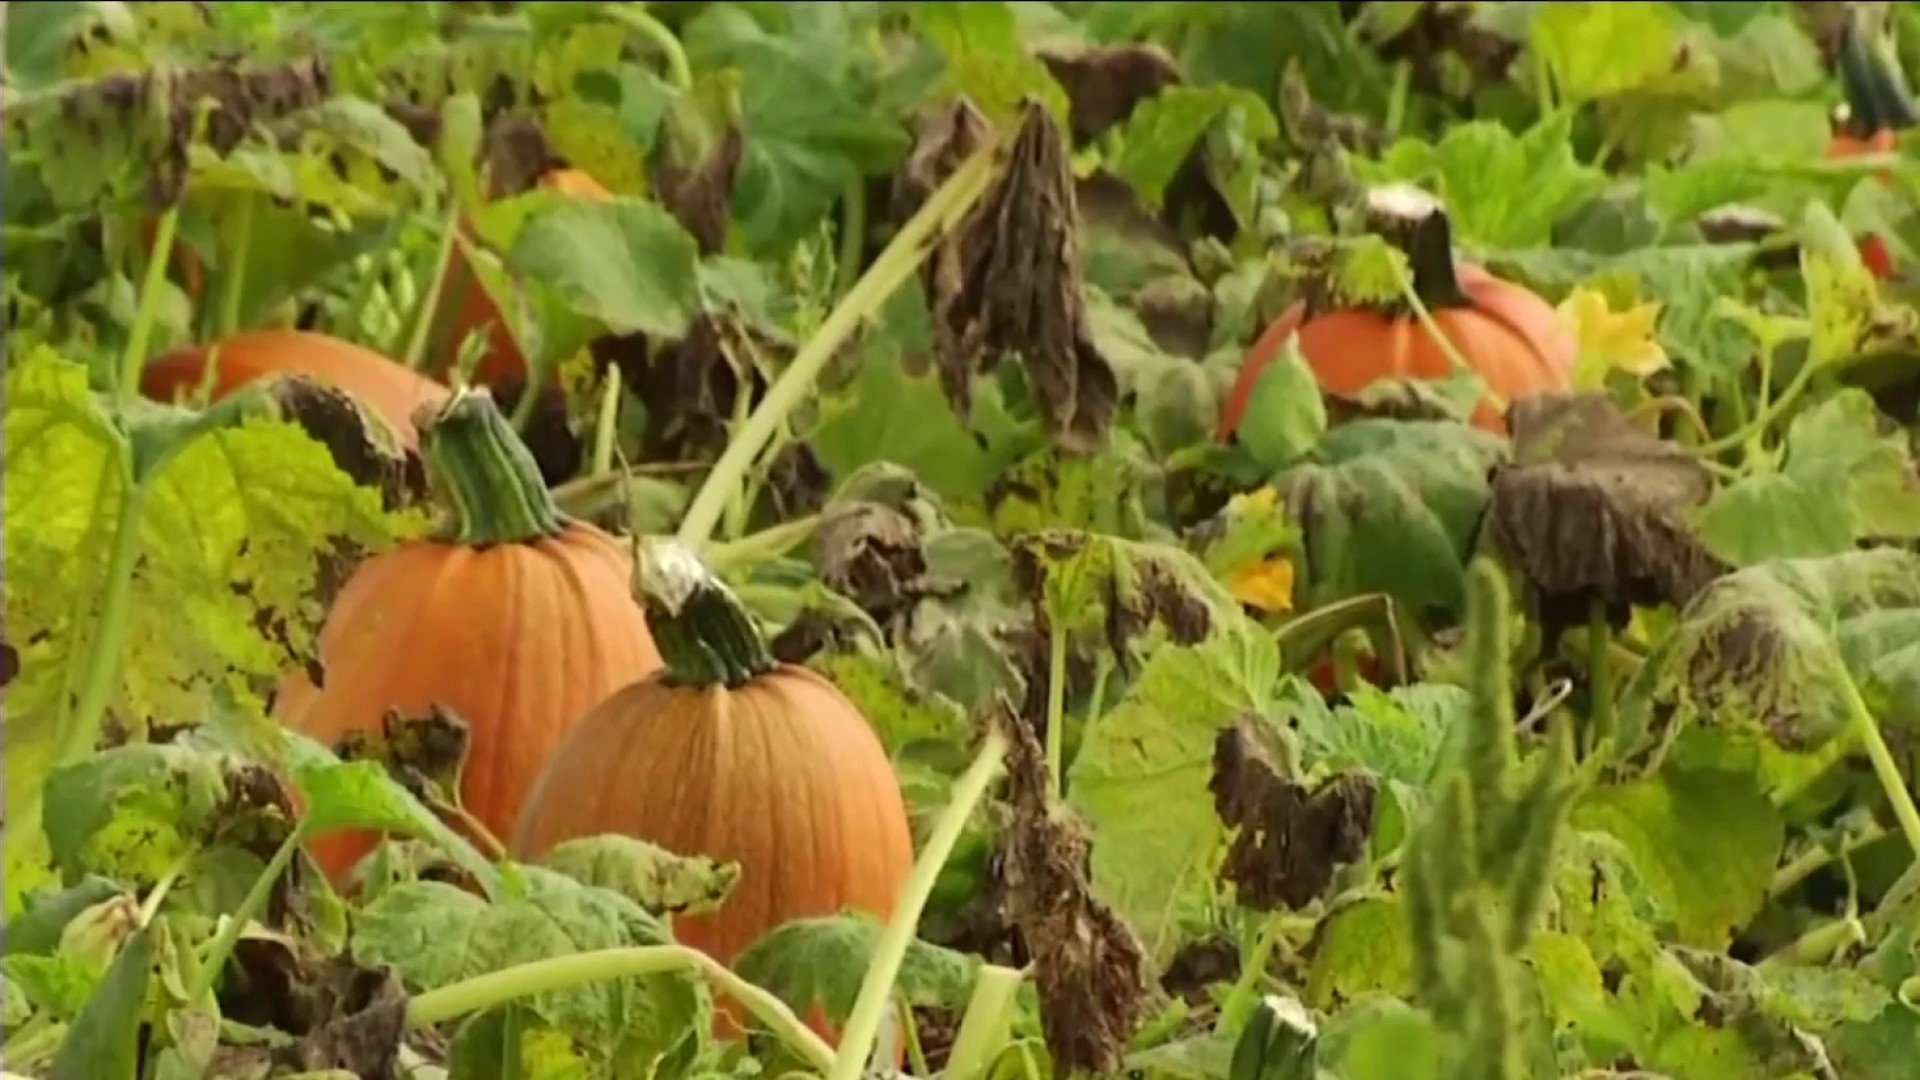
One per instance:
[(134, 811), (364, 795), (1843, 481), (1711, 880), (1360, 948), (1501, 189), (1780, 648), (232, 529), (811, 133), (1140, 779), (627, 263), (435, 935), (1391, 506), (1286, 415), (1157, 138), (985, 58), (1598, 49), (104, 1040), (1396, 734), (821, 961), (649, 875), (1382, 1038)]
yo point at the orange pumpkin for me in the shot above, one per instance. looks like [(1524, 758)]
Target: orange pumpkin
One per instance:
[(1509, 336), (476, 309), (392, 390), (1878, 106), (518, 620), (726, 753)]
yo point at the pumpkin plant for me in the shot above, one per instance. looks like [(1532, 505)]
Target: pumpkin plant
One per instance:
[(476, 309), (516, 618), (1878, 106), (1502, 330), (392, 390), (726, 753)]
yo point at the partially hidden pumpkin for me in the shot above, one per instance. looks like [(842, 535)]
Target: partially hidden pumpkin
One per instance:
[(392, 390), (1878, 106), (517, 619), (475, 309), (1505, 332), (728, 754)]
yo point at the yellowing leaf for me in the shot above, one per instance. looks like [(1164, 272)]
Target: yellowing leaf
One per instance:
[(1266, 585), (1612, 340)]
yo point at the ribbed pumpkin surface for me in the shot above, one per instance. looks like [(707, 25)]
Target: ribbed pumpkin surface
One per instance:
[(1510, 337), (781, 776), (392, 390), (519, 639)]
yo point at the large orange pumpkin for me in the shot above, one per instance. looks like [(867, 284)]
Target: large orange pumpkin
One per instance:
[(726, 753), (392, 390), (503, 361), (519, 620), (1877, 107), (1509, 336)]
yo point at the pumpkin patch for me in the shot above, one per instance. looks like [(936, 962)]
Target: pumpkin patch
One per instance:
[(1070, 541)]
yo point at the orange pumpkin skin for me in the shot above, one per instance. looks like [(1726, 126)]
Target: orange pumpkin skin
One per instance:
[(475, 308), (1510, 336), (519, 638), (779, 774), (392, 390)]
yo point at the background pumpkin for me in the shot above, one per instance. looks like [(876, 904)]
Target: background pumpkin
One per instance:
[(1509, 336), (1878, 106), (519, 620), (728, 754), (392, 390), (503, 363)]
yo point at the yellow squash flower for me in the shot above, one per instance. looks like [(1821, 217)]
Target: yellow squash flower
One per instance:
[(1611, 340)]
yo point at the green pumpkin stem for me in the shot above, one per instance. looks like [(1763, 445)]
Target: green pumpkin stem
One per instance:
[(1877, 96), (704, 635), (483, 474), (1416, 223)]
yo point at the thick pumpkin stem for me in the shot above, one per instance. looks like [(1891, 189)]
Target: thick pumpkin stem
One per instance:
[(484, 475), (1416, 223), (1877, 96), (705, 637)]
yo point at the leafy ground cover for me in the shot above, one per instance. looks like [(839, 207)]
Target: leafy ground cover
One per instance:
[(1368, 540)]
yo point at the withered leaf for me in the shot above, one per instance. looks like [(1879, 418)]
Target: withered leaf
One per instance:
[(341, 1015), (1290, 838), (1593, 509), (872, 555), (1008, 282), (362, 444), (1088, 967), (425, 753), (1105, 82)]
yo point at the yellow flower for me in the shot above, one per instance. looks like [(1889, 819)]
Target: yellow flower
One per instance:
[(1264, 584), (1611, 340)]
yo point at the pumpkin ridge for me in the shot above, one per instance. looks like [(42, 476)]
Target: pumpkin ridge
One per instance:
[(507, 686)]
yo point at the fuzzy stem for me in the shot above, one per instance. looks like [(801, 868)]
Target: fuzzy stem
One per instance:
[(606, 428), (1885, 769), (141, 333), (876, 988), (233, 286), (1056, 705), (110, 632), (423, 319), (987, 1025), (769, 543), (214, 961), (704, 634), (485, 475), (605, 965), (910, 247), (673, 54), (1602, 725), (1245, 995)]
